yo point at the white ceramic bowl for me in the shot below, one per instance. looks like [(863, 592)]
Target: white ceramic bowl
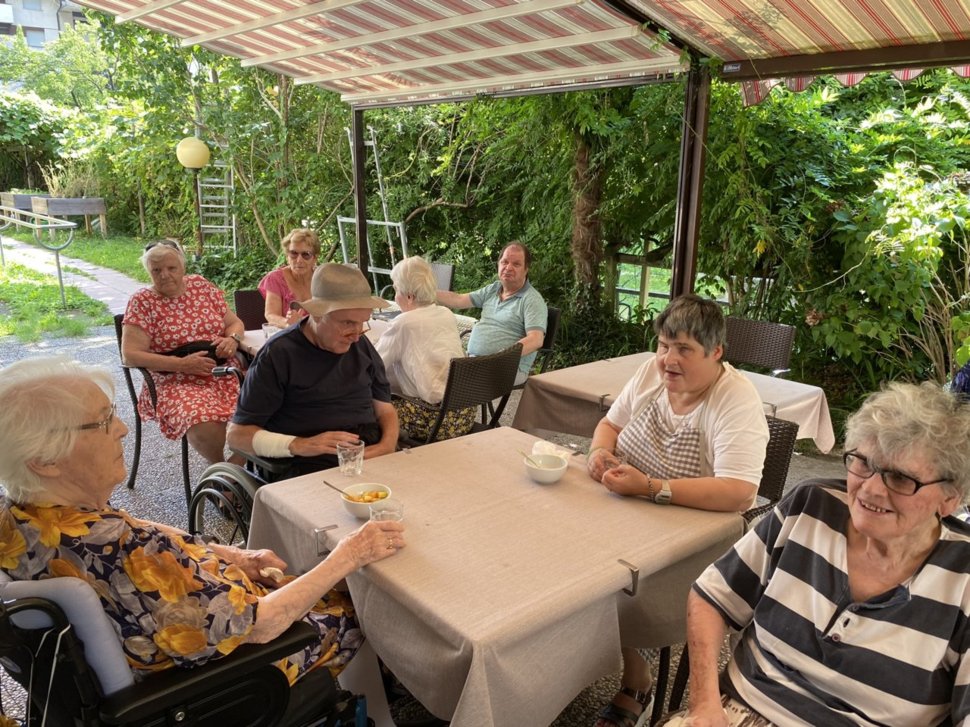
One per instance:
[(361, 510), (550, 469)]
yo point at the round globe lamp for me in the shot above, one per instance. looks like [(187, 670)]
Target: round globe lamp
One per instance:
[(193, 154)]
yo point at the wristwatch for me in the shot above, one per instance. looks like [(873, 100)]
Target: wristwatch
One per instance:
[(237, 337), (663, 497)]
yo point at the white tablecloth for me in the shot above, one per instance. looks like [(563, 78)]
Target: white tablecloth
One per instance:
[(508, 599), (574, 399), (253, 340)]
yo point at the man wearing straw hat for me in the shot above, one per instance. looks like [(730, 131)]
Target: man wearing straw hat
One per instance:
[(319, 382)]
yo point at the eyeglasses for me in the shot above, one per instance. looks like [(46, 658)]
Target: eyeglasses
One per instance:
[(898, 482), (306, 254), (352, 327), (104, 425), (163, 243)]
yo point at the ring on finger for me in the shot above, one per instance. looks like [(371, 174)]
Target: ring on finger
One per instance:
[(390, 545)]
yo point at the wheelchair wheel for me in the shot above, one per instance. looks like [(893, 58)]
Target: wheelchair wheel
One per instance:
[(222, 504)]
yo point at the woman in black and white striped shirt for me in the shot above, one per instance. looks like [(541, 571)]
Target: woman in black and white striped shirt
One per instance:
[(853, 597)]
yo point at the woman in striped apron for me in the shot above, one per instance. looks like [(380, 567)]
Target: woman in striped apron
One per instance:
[(687, 430)]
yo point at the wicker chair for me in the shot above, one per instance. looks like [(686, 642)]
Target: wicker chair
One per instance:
[(778, 454), (251, 308), (477, 381), (153, 394), (759, 343)]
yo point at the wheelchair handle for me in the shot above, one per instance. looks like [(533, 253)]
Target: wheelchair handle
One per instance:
[(227, 370)]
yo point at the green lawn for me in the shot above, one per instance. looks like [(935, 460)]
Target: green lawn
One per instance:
[(118, 253), (31, 306)]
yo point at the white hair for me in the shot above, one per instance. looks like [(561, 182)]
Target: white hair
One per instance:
[(155, 251), (413, 276), (41, 408)]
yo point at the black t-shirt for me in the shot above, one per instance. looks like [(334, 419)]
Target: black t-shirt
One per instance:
[(295, 388)]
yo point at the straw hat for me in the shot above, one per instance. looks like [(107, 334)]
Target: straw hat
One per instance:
[(339, 287)]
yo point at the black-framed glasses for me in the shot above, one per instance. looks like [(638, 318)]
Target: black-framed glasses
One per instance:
[(104, 425), (163, 243), (899, 482), (294, 254)]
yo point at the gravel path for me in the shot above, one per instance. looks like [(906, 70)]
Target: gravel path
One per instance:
[(158, 494)]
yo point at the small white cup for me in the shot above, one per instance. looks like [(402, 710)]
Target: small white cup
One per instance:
[(269, 330), (387, 509), (350, 458)]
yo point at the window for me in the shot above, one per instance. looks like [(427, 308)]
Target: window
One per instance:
[(35, 37), (31, 4)]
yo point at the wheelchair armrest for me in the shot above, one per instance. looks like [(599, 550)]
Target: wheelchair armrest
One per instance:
[(274, 465), (172, 687)]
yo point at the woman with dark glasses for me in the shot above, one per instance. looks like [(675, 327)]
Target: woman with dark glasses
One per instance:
[(291, 283), (852, 597), (179, 329)]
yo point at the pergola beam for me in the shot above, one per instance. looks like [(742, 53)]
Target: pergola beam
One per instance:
[(634, 68), (929, 55), (514, 49), (690, 181), (147, 9), (269, 21)]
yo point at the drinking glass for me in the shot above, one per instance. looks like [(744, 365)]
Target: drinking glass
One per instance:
[(387, 509), (350, 458)]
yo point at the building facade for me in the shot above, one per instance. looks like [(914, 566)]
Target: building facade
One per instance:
[(40, 20)]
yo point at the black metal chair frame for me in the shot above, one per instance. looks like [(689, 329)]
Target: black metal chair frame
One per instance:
[(778, 454), (477, 381), (759, 343), (153, 395), (251, 308)]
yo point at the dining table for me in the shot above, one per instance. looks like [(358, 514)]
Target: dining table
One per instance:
[(573, 400), (510, 597)]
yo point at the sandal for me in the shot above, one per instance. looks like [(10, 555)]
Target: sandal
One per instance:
[(624, 717)]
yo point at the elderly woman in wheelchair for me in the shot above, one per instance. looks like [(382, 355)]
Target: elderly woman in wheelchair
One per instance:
[(173, 598)]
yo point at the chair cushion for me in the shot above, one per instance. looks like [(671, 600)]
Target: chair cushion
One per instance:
[(102, 646)]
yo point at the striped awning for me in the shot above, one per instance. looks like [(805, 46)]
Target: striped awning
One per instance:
[(383, 52)]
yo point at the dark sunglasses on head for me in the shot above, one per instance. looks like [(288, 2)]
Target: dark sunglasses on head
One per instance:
[(294, 254), (164, 243)]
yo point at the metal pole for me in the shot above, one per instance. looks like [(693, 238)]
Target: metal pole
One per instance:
[(60, 277), (360, 195), (198, 214), (690, 182)]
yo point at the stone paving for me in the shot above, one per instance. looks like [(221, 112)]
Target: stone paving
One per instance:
[(158, 493)]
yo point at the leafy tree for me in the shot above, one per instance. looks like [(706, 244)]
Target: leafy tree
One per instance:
[(29, 129)]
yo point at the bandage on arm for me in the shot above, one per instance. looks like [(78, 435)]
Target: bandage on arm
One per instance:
[(272, 444)]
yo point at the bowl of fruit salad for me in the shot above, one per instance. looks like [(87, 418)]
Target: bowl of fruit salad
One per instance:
[(358, 498)]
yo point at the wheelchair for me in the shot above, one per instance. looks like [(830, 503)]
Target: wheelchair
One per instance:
[(58, 644)]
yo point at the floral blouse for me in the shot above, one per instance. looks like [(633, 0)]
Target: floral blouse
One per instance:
[(171, 599)]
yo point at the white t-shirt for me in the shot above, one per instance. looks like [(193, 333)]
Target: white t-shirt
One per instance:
[(417, 348), (734, 433)]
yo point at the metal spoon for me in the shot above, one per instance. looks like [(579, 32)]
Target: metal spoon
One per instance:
[(528, 458), (334, 487)]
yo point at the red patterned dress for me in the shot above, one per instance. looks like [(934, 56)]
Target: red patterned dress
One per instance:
[(184, 400)]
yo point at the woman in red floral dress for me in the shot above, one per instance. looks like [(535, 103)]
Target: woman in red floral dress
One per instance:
[(176, 310)]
